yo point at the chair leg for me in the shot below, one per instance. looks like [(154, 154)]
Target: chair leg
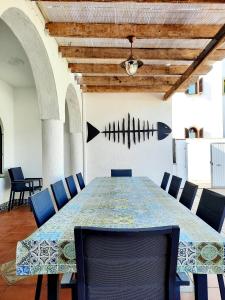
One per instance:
[(20, 199), (10, 200), (221, 286), (178, 293), (53, 287), (201, 286), (38, 287), (74, 293), (13, 199)]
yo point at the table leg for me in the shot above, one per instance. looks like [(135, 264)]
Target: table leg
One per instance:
[(221, 286), (201, 286), (53, 287)]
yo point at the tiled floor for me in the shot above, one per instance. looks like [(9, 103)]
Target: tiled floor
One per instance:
[(18, 224)]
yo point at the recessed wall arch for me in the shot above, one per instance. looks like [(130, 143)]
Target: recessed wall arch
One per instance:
[(27, 34), (73, 142), (75, 122)]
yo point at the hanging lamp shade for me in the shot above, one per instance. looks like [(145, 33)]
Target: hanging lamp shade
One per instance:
[(131, 65)]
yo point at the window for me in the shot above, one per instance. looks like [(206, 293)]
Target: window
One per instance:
[(1, 148), (195, 88)]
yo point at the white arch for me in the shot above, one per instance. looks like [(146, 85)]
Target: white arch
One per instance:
[(75, 123), (27, 34)]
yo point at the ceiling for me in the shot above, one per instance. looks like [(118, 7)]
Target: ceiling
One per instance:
[(170, 39), (14, 65)]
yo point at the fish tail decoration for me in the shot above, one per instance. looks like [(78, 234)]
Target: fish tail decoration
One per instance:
[(130, 131)]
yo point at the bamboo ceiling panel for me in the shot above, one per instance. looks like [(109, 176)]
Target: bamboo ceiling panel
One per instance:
[(118, 61), (138, 43), (134, 13)]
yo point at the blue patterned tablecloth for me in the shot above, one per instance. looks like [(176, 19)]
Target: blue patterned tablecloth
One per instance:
[(134, 202)]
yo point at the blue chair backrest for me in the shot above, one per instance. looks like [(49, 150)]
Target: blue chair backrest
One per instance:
[(59, 193), (211, 209), (42, 207), (16, 173), (71, 186), (174, 186), (165, 180), (80, 181), (188, 194), (126, 263), (121, 173)]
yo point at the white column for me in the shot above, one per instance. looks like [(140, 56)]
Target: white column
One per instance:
[(76, 152), (52, 151)]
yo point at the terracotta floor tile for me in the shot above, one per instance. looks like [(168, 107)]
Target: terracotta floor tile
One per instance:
[(21, 293)]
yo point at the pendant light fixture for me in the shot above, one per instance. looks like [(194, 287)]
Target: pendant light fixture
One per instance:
[(131, 65)]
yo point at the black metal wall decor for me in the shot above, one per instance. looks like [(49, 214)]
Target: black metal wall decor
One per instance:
[(132, 130)]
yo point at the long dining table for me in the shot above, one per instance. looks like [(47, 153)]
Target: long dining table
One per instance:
[(119, 202)]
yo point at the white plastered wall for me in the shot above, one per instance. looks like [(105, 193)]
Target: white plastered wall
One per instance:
[(148, 158), (201, 111), (27, 139), (19, 116), (7, 120)]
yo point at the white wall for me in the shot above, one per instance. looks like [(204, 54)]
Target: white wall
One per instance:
[(28, 140), (6, 116), (201, 111), (22, 133), (150, 158)]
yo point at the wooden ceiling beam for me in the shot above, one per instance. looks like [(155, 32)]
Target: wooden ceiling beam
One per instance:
[(125, 89), (141, 1), (127, 80), (123, 53), (146, 70), (218, 40), (110, 30)]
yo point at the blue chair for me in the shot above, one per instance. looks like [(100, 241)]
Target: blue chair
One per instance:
[(20, 184), (43, 209), (188, 194), (165, 180), (174, 186), (121, 173), (126, 263), (80, 181), (71, 186), (211, 209), (59, 194)]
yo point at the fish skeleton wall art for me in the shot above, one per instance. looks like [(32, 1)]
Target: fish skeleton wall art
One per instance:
[(131, 130)]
